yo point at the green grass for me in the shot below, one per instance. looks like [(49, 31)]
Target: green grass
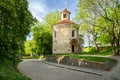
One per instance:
[(90, 58), (8, 72), (103, 51), (91, 55), (106, 60)]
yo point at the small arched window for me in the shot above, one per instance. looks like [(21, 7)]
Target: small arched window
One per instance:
[(54, 34), (73, 33)]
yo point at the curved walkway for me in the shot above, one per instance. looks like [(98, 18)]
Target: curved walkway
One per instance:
[(115, 72), (42, 70)]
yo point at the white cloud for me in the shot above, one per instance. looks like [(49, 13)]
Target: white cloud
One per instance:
[(38, 9)]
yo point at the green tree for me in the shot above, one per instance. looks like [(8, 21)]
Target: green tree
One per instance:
[(109, 11), (87, 20), (15, 22), (30, 47), (42, 33), (53, 17), (108, 18)]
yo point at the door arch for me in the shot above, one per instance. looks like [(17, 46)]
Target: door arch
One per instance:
[(74, 46)]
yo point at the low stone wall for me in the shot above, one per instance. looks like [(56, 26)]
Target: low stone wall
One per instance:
[(78, 62)]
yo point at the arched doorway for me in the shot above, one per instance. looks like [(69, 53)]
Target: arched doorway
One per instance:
[(74, 46)]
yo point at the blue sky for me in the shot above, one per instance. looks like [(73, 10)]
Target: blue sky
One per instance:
[(40, 8)]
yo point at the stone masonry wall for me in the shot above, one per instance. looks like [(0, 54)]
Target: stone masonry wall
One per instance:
[(78, 62), (61, 44)]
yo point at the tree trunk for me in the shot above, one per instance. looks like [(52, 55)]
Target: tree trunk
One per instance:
[(96, 47), (89, 41), (94, 40), (115, 48)]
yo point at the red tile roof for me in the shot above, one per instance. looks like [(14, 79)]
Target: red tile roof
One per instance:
[(65, 21)]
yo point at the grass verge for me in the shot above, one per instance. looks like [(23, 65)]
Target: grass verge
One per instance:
[(90, 58), (103, 51), (8, 72)]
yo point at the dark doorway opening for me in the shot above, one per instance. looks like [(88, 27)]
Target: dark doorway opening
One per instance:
[(73, 49), (74, 46)]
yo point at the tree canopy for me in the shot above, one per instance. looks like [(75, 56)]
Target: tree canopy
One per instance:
[(15, 23), (104, 16), (42, 35)]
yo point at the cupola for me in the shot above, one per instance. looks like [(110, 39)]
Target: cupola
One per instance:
[(65, 14)]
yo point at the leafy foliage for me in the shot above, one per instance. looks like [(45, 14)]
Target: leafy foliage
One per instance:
[(15, 22), (104, 17), (43, 37), (7, 71), (104, 51), (30, 47), (53, 17), (42, 33), (87, 20)]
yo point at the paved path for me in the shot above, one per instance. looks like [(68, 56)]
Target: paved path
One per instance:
[(39, 70), (115, 73)]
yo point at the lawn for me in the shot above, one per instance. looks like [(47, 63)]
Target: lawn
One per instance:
[(103, 51), (89, 57), (8, 72)]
